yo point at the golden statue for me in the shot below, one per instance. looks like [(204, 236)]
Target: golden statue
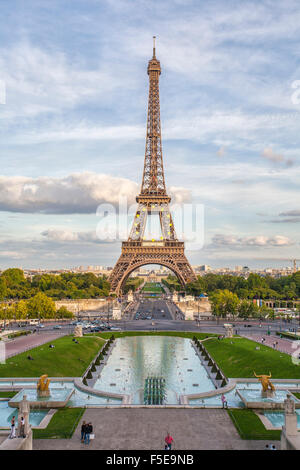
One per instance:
[(43, 385), (265, 382)]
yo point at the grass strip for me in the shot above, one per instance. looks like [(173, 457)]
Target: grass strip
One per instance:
[(250, 427), (62, 424)]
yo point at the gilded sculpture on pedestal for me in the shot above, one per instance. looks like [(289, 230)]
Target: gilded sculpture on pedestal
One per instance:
[(265, 382)]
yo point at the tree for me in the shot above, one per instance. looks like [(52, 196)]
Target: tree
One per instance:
[(13, 276), (3, 288), (63, 312), (266, 312), (21, 310), (41, 306), (247, 309), (224, 303)]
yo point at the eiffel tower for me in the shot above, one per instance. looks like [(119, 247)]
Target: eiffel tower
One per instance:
[(167, 251)]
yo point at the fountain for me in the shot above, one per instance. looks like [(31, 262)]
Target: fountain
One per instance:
[(42, 387), (268, 389), (41, 396)]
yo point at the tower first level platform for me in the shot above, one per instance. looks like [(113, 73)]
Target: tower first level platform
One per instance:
[(139, 253)]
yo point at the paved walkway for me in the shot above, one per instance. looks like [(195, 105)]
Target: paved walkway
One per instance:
[(145, 429), (24, 343), (284, 345)]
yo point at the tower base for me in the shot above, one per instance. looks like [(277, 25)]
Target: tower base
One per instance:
[(139, 253)]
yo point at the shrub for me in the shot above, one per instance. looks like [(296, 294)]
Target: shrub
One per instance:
[(19, 333)]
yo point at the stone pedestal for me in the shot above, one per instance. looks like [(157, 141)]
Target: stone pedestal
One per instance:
[(189, 314), (130, 297), (24, 410), (290, 417), (291, 425), (43, 393), (175, 297), (116, 313), (229, 330), (267, 393), (78, 331), (290, 439)]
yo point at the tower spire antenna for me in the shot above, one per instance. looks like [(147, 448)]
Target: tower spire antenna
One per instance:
[(154, 38)]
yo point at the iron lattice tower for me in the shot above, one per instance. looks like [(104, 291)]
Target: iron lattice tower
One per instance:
[(168, 251)]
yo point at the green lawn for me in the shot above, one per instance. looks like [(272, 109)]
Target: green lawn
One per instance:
[(153, 287), (62, 424), (7, 394), (249, 426), (241, 358), (66, 359)]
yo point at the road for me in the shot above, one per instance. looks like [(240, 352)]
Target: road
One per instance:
[(157, 309), (23, 343), (159, 320)]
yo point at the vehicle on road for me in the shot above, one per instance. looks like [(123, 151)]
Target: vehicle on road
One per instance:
[(40, 325), (57, 327), (115, 328)]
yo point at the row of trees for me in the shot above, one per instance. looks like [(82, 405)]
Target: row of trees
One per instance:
[(132, 283), (39, 306), (14, 285), (255, 286), (225, 302)]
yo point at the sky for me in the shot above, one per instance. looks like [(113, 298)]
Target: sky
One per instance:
[(73, 94)]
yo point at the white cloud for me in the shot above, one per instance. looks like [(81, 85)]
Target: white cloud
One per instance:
[(221, 151), (256, 241), (69, 236), (76, 193), (295, 213), (40, 81), (179, 195), (79, 193), (270, 155), (12, 254)]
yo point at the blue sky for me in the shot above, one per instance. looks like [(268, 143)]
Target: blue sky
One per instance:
[(72, 128)]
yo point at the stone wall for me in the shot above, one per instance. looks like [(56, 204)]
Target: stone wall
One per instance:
[(202, 306), (80, 305)]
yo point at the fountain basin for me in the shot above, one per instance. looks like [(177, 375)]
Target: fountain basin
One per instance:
[(58, 398), (255, 399)]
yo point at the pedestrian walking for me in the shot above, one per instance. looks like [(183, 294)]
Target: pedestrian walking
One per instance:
[(12, 434), (83, 431), (224, 401), (169, 441)]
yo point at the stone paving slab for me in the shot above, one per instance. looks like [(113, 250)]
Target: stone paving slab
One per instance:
[(284, 345), (145, 429)]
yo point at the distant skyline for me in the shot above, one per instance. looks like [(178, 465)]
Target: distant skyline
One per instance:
[(72, 129)]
